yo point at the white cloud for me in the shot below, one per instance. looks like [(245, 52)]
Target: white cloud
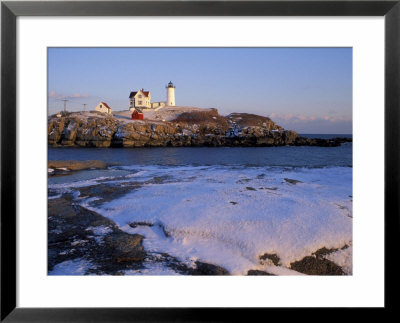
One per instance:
[(54, 95), (313, 124), (303, 118)]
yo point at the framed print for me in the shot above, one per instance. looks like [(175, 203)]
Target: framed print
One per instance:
[(190, 140)]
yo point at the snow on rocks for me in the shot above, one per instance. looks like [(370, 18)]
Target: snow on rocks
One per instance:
[(202, 223)]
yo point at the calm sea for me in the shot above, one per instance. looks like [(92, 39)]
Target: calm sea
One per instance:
[(287, 156)]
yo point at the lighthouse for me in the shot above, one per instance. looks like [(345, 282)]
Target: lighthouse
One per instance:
[(170, 94)]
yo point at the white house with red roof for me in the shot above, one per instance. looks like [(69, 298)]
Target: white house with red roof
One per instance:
[(103, 107), (140, 99)]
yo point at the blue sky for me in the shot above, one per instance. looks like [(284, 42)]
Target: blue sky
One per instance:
[(308, 90)]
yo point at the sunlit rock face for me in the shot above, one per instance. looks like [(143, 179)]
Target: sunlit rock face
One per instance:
[(196, 128)]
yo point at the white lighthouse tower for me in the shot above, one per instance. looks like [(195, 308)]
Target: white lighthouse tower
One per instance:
[(170, 94)]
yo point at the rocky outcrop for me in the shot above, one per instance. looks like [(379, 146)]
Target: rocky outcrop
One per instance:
[(256, 272), (203, 268), (78, 234), (189, 129), (76, 164), (312, 265)]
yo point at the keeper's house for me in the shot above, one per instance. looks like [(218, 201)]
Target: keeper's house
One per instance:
[(103, 107), (140, 99)]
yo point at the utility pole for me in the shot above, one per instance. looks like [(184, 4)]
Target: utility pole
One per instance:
[(65, 105)]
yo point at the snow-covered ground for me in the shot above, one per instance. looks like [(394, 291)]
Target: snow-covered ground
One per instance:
[(156, 115), (159, 114), (229, 216), (71, 267)]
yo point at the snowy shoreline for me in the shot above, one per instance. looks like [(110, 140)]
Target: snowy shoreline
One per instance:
[(228, 216)]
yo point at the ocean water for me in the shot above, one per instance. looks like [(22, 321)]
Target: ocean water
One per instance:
[(290, 156), (225, 206)]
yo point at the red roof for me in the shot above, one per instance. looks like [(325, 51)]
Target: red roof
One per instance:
[(146, 93), (106, 105)]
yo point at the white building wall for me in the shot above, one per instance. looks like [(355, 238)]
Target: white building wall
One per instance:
[(102, 108), (141, 101), (171, 96), (157, 105)]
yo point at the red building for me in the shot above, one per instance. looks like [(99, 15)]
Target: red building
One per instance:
[(137, 114)]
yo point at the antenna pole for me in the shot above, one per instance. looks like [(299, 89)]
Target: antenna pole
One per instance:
[(65, 105)]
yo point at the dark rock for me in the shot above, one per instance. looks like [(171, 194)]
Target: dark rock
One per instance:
[(59, 172), (203, 268), (166, 260), (311, 265), (139, 223), (107, 192), (320, 253), (76, 165), (292, 181), (249, 188), (255, 272), (125, 247), (323, 252), (271, 256), (243, 181), (71, 236), (269, 188)]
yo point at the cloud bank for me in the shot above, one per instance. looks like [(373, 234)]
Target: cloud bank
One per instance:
[(314, 124), (54, 95)]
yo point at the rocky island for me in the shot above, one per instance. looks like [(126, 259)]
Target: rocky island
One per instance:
[(86, 236), (174, 126)]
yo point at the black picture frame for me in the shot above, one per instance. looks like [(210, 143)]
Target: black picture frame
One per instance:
[(10, 10)]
